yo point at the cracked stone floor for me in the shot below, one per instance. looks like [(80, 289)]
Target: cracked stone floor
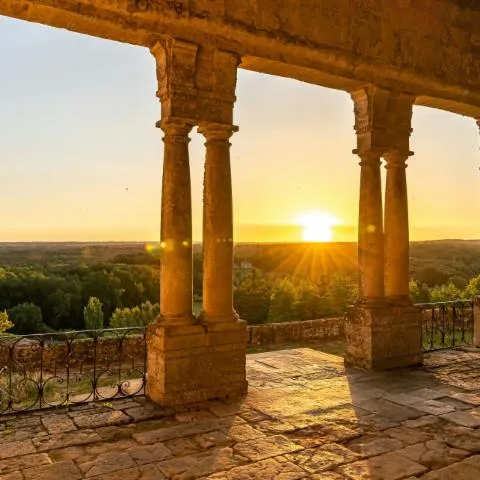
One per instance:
[(305, 417)]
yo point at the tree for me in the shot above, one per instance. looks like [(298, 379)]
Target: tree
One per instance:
[(473, 288), (282, 303), (341, 293), (310, 303), (419, 293), (93, 314), (431, 276), (135, 317), (445, 293), (251, 298), (26, 318), (5, 323)]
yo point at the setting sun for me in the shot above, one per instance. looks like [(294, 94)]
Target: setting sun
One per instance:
[(317, 226)]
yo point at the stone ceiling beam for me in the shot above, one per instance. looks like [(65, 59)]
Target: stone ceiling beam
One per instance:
[(377, 42)]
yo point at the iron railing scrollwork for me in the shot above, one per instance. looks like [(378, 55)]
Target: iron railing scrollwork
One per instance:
[(447, 324), (70, 368)]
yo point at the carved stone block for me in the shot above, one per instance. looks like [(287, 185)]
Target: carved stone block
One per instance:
[(192, 364), (381, 338)]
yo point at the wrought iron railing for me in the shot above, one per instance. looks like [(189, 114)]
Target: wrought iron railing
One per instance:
[(447, 325), (61, 369)]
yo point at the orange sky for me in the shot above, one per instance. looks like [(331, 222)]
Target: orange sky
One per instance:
[(82, 159)]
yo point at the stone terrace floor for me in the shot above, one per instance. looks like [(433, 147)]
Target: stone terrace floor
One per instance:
[(305, 417)]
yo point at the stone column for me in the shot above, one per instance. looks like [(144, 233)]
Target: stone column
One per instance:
[(396, 229), (176, 227), (370, 230), (217, 226), (192, 360), (381, 334)]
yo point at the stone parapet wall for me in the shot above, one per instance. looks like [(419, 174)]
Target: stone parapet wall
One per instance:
[(296, 332), (32, 355)]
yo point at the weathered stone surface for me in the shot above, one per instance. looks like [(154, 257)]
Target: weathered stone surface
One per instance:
[(277, 468), (321, 458), (433, 454), (266, 447), (463, 438), (376, 447), (213, 439), (97, 420), (320, 434), (149, 453), (181, 447), (403, 398), (428, 393), (145, 472), (426, 421), (16, 449), (243, 433), (139, 413), (465, 418), (8, 465), (200, 446), (12, 476), (55, 471), (106, 463), (274, 426), (199, 465), (326, 476), (409, 436), (379, 337), (51, 442), (58, 423), (193, 428), (221, 409), (389, 410), (68, 453), (468, 469), (106, 447), (390, 466), (433, 407), (296, 332), (456, 404), (471, 398)]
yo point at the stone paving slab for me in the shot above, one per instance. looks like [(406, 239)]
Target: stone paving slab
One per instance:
[(305, 417)]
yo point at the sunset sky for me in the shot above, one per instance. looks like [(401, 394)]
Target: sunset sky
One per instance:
[(81, 157)]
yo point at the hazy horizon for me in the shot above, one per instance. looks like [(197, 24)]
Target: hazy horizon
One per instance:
[(82, 159)]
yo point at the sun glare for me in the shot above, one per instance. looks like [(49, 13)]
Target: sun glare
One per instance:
[(317, 226)]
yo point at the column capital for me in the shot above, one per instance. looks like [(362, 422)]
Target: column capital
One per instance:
[(368, 157), (396, 159), (382, 118), (176, 130), (217, 131)]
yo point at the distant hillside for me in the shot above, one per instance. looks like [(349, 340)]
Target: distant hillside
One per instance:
[(432, 262)]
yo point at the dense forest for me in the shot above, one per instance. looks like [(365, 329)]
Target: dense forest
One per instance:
[(55, 287)]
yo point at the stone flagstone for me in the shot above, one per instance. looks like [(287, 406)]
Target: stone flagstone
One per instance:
[(374, 439)]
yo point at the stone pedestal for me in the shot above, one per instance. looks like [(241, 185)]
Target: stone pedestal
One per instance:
[(192, 363), (383, 337)]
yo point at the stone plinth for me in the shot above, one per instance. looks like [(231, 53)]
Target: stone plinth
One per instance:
[(383, 337), (193, 364)]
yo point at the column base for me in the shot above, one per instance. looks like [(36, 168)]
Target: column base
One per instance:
[(383, 337), (194, 364)]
